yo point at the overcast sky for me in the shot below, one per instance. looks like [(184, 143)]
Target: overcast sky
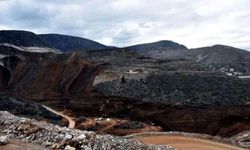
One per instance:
[(194, 23)]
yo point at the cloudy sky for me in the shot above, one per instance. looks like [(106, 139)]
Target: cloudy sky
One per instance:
[(193, 23)]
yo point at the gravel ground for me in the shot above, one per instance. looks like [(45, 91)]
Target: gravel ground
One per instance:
[(53, 136)]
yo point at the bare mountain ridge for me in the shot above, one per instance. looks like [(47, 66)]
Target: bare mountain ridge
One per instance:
[(159, 45), (71, 43), (21, 38), (220, 56), (54, 41), (217, 56)]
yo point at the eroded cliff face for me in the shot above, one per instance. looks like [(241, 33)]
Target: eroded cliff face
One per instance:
[(49, 76)]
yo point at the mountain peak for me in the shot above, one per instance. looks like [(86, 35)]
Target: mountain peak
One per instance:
[(159, 45)]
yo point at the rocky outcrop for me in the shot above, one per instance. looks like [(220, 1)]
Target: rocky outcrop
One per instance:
[(32, 131)]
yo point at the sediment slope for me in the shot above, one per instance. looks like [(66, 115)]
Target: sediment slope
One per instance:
[(37, 76)]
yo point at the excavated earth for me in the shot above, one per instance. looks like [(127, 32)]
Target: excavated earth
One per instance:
[(51, 136), (224, 121), (36, 76), (65, 82)]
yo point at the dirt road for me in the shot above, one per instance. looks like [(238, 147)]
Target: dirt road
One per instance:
[(186, 143), (70, 119)]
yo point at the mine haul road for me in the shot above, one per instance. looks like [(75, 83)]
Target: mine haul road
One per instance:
[(70, 119), (186, 142)]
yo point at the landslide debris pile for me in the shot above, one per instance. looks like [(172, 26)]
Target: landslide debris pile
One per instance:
[(25, 108), (176, 88), (48, 76), (32, 131)]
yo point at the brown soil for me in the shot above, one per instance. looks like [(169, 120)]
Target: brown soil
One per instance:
[(71, 121), (17, 145), (115, 126), (224, 121), (186, 143)]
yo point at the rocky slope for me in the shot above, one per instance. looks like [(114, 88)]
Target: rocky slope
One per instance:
[(177, 88), (51, 136), (27, 108), (216, 56), (223, 56)]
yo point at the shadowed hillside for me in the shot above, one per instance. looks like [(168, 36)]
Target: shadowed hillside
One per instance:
[(70, 43), (53, 41)]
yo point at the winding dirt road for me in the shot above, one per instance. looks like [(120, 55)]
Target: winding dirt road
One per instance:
[(70, 119), (177, 141), (186, 143)]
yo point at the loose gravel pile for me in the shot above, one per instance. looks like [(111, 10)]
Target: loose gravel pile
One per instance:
[(56, 137)]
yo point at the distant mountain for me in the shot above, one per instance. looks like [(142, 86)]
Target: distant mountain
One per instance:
[(158, 49), (221, 56), (54, 41), (21, 38), (70, 43), (216, 56), (160, 45), (9, 49)]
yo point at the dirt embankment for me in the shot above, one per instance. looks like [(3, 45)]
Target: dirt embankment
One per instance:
[(48, 76), (224, 121)]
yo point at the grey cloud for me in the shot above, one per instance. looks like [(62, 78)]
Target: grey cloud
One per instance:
[(124, 22)]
